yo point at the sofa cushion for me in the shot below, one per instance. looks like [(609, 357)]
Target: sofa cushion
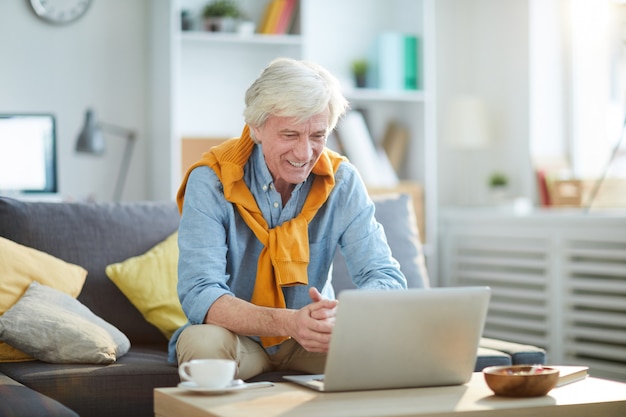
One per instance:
[(53, 327), (396, 214), (490, 357), (21, 265), (124, 388), (149, 282), (18, 400), (94, 235), (521, 354)]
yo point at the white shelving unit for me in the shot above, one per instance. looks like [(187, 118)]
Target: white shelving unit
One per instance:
[(233, 38), (200, 91)]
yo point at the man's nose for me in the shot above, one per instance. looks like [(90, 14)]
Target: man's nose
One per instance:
[(303, 149)]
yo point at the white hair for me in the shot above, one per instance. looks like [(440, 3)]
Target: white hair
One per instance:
[(292, 88)]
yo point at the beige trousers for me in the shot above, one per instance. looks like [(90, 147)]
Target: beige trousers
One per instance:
[(207, 341)]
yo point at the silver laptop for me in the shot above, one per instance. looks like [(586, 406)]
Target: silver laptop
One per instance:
[(402, 339)]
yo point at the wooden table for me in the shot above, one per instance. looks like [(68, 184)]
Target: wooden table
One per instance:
[(590, 397)]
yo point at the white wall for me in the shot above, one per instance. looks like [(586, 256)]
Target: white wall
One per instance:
[(482, 50), (104, 61), (99, 61)]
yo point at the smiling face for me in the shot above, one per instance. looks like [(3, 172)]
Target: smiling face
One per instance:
[(292, 148)]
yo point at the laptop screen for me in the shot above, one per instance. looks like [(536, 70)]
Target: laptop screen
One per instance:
[(28, 153)]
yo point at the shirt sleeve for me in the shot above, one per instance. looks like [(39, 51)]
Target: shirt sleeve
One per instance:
[(202, 276), (363, 242)]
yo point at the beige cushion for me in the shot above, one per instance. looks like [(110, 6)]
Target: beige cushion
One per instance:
[(53, 327), (149, 281), (21, 265)]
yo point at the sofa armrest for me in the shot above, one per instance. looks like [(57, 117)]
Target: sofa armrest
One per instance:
[(520, 354)]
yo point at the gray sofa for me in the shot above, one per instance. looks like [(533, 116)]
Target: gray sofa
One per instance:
[(94, 235)]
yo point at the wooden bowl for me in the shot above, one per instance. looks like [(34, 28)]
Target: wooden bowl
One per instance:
[(521, 380)]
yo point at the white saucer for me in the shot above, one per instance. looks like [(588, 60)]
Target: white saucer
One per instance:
[(191, 386), (237, 385)]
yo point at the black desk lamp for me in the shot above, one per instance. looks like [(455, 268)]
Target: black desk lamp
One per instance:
[(90, 140)]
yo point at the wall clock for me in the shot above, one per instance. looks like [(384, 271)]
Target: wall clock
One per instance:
[(60, 12)]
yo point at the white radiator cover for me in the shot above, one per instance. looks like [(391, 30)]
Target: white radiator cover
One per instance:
[(558, 280)]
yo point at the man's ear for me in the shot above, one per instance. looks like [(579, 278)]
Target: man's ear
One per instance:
[(255, 134)]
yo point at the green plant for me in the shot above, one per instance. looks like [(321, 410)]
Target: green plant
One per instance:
[(221, 8), (359, 67), (498, 179)]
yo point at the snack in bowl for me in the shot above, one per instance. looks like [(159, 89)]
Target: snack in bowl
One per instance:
[(521, 380)]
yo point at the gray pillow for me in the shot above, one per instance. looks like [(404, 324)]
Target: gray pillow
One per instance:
[(51, 326), (394, 211)]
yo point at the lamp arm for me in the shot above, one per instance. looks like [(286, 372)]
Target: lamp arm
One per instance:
[(130, 136), (121, 177), (600, 180), (117, 130)]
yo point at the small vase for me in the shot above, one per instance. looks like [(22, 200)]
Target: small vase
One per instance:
[(360, 81), (499, 195), (246, 28), (219, 24)]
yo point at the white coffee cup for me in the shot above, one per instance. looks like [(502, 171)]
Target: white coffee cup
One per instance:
[(208, 373)]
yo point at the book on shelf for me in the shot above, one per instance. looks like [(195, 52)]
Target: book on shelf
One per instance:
[(395, 62), (269, 16), (411, 52), (542, 188), (548, 169), (369, 159), (395, 142), (286, 17), (294, 26), (569, 374), (388, 60), (279, 17)]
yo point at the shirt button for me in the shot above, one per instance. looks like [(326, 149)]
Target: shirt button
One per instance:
[(265, 188), (271, 186), (275, 205)]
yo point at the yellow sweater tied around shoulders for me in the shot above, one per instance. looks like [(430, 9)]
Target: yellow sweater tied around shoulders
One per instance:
[(284, 259)]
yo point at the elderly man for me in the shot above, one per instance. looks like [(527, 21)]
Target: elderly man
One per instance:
[(261, 218)]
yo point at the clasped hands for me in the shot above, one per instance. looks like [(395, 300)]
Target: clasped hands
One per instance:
[(314, 323)]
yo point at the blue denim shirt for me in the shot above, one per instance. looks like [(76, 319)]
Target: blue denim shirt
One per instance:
[(219, 253)]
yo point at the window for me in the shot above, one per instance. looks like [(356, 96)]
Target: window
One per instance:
[(578, 84)]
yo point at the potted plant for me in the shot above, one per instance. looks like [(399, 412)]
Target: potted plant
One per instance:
[(220, 15), (498, 180), (498, 185), (359, 71)]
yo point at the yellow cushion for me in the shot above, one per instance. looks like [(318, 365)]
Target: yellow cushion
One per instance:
[(21, 265), (149, 282)]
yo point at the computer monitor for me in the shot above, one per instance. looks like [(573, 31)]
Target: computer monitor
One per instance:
[(28, 153)]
